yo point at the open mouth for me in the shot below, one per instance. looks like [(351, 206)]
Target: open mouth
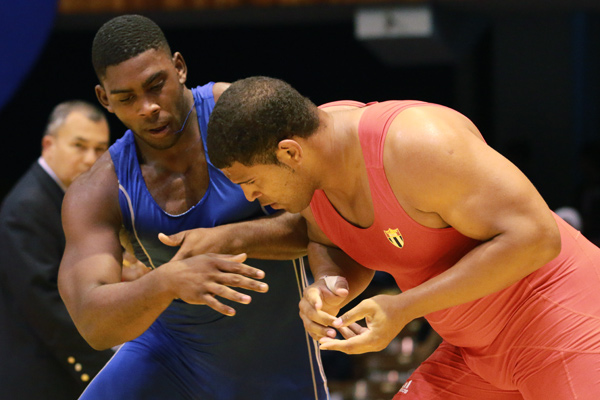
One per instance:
[(160, 129)]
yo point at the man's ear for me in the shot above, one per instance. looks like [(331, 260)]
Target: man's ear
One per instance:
[(103, 98), (47, 142), (180, 66), (289, 152)]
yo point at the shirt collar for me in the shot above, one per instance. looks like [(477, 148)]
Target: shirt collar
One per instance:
[(49, 171)]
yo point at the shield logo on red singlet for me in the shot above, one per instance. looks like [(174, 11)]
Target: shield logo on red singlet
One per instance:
[(395, 237)]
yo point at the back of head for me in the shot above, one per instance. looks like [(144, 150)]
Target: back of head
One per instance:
[(123, 38), (252, 116)]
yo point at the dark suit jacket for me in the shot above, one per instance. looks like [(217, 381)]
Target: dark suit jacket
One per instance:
[(42, 356)]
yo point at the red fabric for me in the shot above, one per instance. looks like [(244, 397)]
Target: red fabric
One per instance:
[(540, 336)]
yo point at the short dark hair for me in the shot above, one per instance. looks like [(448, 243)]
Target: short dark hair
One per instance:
[(59, 114), (252, 116), (125, 37)]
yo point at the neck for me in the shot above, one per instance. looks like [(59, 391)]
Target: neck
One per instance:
[(185, 151), (340, 154)]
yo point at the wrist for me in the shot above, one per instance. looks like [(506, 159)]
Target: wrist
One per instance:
[(163, 280)]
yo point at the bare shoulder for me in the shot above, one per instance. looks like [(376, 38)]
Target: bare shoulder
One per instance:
[(219, 88), (430, 153), (93, 195), (431, 124), (423, 139)]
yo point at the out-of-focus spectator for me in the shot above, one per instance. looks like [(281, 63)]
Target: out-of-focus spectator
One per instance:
[(43, 355)]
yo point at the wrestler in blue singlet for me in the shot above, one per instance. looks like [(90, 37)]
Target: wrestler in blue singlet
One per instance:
[(192, 351)]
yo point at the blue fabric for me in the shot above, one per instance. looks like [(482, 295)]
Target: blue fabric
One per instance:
[(192, 352), (24, 28)]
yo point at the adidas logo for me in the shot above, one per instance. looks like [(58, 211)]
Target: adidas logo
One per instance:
[(404, 388)]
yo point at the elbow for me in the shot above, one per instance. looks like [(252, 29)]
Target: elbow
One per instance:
[(89, 328), (98, 345), (96, 339)]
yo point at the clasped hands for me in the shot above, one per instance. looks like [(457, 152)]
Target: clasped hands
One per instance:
[(322, 302)]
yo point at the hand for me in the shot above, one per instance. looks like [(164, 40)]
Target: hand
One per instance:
[(321, 303), (199, 279), (132, 268), (194, 242), (384, 321)]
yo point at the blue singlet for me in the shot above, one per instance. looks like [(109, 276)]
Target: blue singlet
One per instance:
[(192, 352)]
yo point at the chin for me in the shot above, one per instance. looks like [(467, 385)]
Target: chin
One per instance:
[(296, 208)]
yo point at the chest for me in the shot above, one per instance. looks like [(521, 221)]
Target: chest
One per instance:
[(177, 192)]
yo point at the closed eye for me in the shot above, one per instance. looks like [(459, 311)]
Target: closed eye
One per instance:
[(158, 86)]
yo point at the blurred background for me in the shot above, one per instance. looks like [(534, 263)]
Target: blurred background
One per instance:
[(526, 72)]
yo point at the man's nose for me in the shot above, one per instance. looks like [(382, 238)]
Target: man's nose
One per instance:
[(250, 194), (90, 157), (149, 107)]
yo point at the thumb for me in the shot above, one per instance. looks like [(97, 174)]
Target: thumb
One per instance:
[(355, 314), (337, 285), (172, 240), (232, 257)]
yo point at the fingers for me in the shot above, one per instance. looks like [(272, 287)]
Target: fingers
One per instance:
[(312, 296), (316, 322), (318, 331), (358, 340), (333, 291), (355, 345), (218, 306), (233, 264), (231, 257), (222, 287), (351, 330), (172, 240), (239, 280), (355, 314)]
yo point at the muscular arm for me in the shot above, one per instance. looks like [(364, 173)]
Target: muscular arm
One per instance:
[(461, 182), (326, 259), (281, 236), (450, 177), (320, 303), (107, 311)]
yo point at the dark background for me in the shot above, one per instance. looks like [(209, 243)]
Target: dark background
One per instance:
[(527, 76)]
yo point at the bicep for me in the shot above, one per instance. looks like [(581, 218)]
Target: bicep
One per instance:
[(93, 252), (487, 196)]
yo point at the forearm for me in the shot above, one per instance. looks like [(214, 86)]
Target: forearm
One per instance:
[(488, 268), (281, 236), (329, 261), (113, 313)]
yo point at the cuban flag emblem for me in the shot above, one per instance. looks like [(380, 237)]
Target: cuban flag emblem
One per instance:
[(395, 237)]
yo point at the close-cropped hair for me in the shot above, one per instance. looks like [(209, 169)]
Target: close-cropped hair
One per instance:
[(123, 38), (61, 111), (252, 116)]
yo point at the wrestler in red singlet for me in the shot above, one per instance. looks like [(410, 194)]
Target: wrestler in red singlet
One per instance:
[(514, 344)]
